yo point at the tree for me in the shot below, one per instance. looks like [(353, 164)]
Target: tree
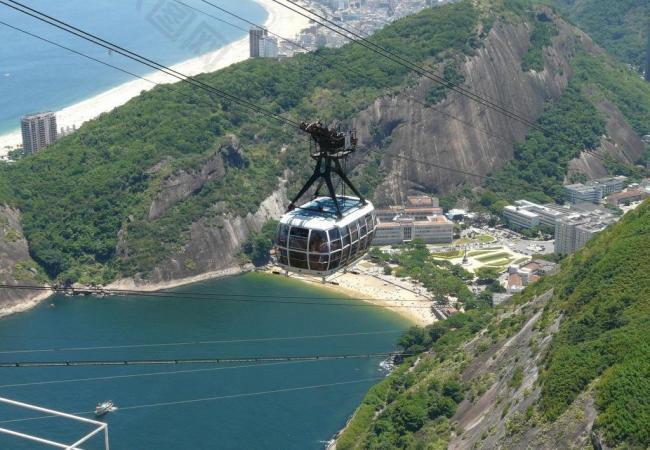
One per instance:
[(487, 275)]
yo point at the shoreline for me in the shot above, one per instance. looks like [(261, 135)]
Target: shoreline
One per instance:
[(280, 20), (25, 305), (370, 289), (130, 283)]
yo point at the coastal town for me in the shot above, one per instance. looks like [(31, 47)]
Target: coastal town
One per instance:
[(515, 248)]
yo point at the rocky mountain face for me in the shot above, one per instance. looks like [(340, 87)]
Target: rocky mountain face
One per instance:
[(163, 189), (214, 243), (404, 125), (16, 266), (621, 142)]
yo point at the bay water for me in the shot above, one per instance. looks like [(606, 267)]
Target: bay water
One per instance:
[(37, 76), (268, 405)]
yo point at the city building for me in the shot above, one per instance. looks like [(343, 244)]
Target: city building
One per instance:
[(262, 45), (631, 195), (594, 191), (521, 276), (573, 232), (548, 214), (456, 214), (417, 207), (255, 36), (38, 130), (520, 217), (420, 218), (268, 47)]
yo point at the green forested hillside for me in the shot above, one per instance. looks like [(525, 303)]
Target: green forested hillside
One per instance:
[(619, 26), (82, 191), (90, 193), (541, 161), (603, 298), (602, 301)]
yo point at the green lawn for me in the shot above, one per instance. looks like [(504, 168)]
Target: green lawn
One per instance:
[(448, 255), (494, 256), (482, 252)]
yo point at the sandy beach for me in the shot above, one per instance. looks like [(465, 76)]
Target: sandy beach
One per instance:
[(280, 20), (399, 296)]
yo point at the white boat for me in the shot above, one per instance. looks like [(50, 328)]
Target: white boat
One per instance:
[(103, 408)]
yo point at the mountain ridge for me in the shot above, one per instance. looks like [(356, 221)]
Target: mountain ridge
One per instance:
[(101, 205)]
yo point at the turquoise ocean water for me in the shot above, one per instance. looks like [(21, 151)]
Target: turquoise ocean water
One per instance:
[(281, 405), (36, 76)]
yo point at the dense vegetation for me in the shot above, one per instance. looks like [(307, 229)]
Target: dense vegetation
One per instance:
[(414, 403), (540, 163), (441, 278), (88, 196), (258, 245), (620, 26), (602, 299), (603, 295), (544, 29)]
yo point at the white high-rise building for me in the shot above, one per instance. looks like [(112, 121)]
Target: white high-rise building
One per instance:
[(39, 131), (268, 47)]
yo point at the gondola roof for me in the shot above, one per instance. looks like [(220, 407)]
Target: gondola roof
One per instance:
[(320, 213)]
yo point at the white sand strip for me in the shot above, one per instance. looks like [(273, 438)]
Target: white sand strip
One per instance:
[(280, 20)]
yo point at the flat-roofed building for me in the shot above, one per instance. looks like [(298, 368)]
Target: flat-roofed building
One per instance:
[(420, 218), (583, 193), (548, 214), (634, 195), (521, 217), (594, 191), (575, 230), (433, 230), (38, 130), (418, 207)]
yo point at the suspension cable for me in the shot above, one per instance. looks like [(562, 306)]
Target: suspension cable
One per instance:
[(193, 361), (146, 61)]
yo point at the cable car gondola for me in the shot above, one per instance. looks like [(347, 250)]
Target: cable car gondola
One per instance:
[(331, 232)]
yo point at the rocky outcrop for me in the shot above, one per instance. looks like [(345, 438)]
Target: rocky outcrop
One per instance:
[(482, 141), (180, 186), (16, 265), (214, 243), (620, 142)]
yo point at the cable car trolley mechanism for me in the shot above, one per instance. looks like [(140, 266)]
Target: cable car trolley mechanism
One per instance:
[(330, 232)]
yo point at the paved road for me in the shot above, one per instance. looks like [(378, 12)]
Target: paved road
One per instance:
[(521, 246)]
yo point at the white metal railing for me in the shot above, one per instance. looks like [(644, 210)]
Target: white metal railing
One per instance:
[(100, 427)]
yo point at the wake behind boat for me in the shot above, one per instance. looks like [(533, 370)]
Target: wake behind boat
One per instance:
[(104, 407)]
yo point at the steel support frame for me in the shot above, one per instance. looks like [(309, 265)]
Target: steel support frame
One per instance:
[(325, 165), (101, 427)]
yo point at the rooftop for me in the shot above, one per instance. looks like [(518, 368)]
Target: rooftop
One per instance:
[(521, 211), (38, 115), (321, 212)]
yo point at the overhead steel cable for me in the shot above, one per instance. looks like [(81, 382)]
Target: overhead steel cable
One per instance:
[(196, 342), (56, 44), (146, 61), (195, 361), (212, 16), (85, 55), (149, 374), (234, 298), (340, 69), (213, 398), (330, 65), (376, 48), (398, 59)]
